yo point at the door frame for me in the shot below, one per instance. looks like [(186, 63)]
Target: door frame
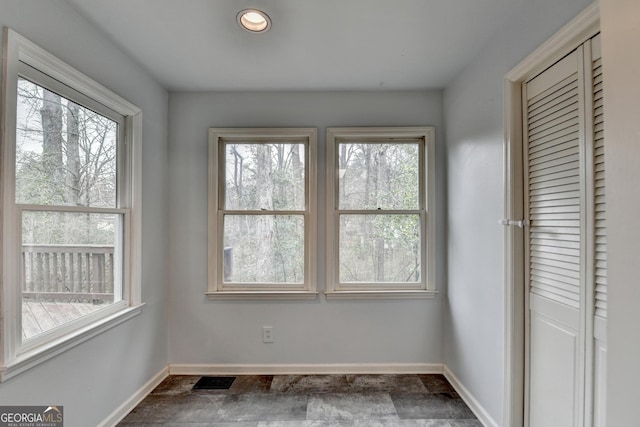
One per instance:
[(576, 32)]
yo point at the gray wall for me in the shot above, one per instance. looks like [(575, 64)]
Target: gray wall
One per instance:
[(621, 68), (473, 105), (204, 332), (94, 378)]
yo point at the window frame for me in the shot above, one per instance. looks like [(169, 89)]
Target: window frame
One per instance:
[(217, 289), (426, 287), (25, 59)]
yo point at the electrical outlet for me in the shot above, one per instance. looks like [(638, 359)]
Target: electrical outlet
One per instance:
[(267, 334)]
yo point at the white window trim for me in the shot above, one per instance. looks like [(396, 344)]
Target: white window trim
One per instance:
[(216, 290), (14, 356), (428, 288)]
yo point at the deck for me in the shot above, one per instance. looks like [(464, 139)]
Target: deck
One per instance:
[(62, 283), (41, 316)]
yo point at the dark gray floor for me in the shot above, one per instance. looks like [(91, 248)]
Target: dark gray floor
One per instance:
[(306, 401)]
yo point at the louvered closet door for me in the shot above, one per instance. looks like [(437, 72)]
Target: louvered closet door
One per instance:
[(554, 141), (600, 199), (599, 240), (566, 246)]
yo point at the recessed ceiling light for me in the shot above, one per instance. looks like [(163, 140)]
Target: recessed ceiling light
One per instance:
[(254, 20)]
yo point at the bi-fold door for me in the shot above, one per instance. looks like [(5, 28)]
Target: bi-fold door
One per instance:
[(565, 243)]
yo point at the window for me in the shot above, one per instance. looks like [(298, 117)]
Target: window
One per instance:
[(380, 222), (71, 218), (262, 213)]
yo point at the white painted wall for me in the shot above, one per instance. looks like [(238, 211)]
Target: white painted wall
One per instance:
[(620, 23), (94, 378), (316, 332), (473, 105)]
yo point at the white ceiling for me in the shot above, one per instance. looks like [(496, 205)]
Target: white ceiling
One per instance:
[(196, 45)]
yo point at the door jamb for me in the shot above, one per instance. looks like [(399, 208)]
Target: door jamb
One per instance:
[(577, 31)]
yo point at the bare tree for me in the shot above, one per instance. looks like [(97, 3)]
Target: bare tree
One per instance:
[(65, 155), (51, 114), (265, 223), (73, 155)]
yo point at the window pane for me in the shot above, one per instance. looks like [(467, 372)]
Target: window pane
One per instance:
[(70, 267), (378, 176), (263, 249), (264, 176), (65, 153), (380, 248)]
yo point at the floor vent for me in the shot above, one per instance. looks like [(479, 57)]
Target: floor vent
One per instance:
[(214, 383)]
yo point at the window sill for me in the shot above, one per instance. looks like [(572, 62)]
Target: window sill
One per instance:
[(262, 295), (380, 294), (46, 351)]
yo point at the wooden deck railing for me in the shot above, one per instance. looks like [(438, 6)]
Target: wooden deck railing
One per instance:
[(68, 272)]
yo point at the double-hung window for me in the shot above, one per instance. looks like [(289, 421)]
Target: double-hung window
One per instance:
[(380, 221), (70, 197), (262, 213)]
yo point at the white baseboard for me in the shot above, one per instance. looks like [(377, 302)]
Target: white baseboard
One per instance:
[(116, 416), (305, 369), (468, 398)]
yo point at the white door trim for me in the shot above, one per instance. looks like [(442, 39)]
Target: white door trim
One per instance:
[(576, 32)]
